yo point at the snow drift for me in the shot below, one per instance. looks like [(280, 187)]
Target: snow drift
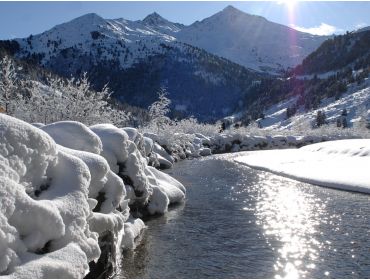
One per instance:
[(341, 164)]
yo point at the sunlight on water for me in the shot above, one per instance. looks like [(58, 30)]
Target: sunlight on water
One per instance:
[(290, 217), (239, 222)]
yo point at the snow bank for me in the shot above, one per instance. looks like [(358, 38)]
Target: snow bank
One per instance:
[(137, 138), (40, 188), (184, 146), (147, 189), (63, 201), (341, 164), (235, 142)]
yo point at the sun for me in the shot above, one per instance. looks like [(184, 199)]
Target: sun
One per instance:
[(290, 4)]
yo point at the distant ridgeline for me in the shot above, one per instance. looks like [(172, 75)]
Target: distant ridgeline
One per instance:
[(136, 58)]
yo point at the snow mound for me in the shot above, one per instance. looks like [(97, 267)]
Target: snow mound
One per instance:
[(114, 144), (133, 228), (40, 223), (74, 135), (62, 195), (137, 138), (68, 262), (341, 164)]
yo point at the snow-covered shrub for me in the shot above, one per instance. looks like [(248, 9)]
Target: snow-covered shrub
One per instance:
[(105, 187), (59, 99), (181, 139)]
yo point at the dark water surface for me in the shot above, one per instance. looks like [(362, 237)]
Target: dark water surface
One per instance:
[(238, 222)]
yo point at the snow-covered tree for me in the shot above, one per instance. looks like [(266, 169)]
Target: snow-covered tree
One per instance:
[(9, 93), (159, 109)]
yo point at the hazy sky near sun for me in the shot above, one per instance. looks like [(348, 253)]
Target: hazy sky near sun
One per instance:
[(20, 19)]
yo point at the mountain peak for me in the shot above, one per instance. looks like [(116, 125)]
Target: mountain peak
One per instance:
[(156, 22), (231, 9), (154, 18), (90, 18)]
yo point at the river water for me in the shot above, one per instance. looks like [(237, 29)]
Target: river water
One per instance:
[(238, 222)]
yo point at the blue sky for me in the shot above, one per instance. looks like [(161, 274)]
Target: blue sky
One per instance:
[(20, 19)]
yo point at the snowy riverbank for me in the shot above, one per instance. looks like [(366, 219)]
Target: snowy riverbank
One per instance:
[(66, 189), (71, 196), (341, 164)]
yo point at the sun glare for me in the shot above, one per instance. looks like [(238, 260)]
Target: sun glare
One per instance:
[(290, 4)]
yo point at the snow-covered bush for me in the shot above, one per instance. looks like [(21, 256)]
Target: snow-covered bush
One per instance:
[(69, 99), (57, 100)]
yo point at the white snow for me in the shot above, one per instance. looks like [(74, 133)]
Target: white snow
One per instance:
[(133, 228), (74, 135), (61, 189), (229, 33), (249, 40), (356, 99), (341, 164), (38, 205), (174, 190), (114, 144)]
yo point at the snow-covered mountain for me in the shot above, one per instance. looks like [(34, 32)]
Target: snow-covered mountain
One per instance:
[(136, 58), (250, 40), (194, 62), (120, 40)]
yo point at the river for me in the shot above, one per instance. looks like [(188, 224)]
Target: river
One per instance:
[(238, 222)]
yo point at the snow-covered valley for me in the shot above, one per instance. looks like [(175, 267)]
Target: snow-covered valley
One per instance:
[(233, 147)]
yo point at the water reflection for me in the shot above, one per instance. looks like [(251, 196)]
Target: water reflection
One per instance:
[(290, 217)]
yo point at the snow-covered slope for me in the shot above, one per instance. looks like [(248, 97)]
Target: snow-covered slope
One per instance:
[(356, 103), (250, 40), (341, 164), (337, 53)]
